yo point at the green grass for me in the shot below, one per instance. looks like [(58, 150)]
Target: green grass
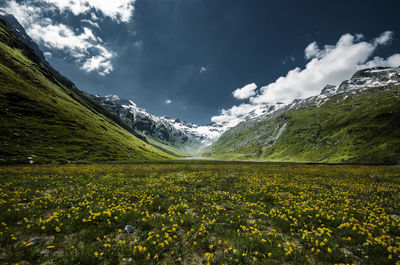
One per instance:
[(363, 128), (45, 119), (167, 148), (198, 213)]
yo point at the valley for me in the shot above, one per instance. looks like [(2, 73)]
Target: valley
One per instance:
[(90, 178), (47, 119)]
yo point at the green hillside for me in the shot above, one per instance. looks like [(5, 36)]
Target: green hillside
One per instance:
[(45, 119), (354, 127)]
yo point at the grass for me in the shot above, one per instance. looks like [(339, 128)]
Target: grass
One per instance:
[(45, 119), (200, 212), (357, 128)]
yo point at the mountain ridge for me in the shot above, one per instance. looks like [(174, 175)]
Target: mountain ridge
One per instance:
[(46, 119), (336, 126), (350, 122), (186, 136)]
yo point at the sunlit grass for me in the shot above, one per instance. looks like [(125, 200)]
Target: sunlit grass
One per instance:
[(200, 214)]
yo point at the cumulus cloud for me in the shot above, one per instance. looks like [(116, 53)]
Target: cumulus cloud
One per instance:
[(59, 36), (90, 22), (234, 115), (118, 10), (311, 50), (168, 101), (203, 69), (330, 64), (391, 61), (100, 62), (25, 13), (84, 47), (245, 92), (87, 49), (384, 38)]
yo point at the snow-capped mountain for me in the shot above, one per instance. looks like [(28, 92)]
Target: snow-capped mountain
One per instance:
[(381, 78), (378, 77), (180, 134), (192, 137), (372, 77), (356, 121), (184, 135), (363, 79)]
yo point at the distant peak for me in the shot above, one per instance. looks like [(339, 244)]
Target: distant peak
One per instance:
[(328, 89), (368, 71), (112, 97)]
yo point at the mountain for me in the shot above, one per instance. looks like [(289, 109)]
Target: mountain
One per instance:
[(185, 136), (18, 30), (356, 122), (44, 118)]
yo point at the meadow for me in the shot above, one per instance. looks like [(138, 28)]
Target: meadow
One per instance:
[(200, 213)]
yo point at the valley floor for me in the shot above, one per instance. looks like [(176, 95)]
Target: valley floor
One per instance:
[(200, 212)]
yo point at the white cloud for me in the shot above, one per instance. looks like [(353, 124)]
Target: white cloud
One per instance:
[(245, 92), (25, 13), (311, 50), (118, 10), (359, 36), (48, 54), (391, 61), (168, 101), (234, 115), (84, 47), (81, 44), (100, 63), (203, 69), (90, 22), (60, 36), (384, 38), (330, 65)]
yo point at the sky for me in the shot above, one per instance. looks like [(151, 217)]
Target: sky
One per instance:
[(210, 60)]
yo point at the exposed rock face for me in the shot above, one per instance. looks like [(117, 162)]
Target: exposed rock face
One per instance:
[(372, 77), (160, 128), (328, 89)]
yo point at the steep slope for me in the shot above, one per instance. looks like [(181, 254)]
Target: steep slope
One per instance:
[(358, 121), (44, 118), (185, 136)]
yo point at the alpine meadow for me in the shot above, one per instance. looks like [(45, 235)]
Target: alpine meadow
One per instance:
[(199, 132)]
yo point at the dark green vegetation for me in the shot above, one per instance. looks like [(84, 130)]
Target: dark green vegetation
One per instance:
[(200, 213), (44, 118), (354, 127)]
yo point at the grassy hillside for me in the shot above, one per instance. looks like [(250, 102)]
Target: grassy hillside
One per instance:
[(45, 119), (362, 127), (172, 150)]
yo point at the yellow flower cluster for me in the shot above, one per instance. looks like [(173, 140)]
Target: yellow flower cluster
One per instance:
[(200, 213)]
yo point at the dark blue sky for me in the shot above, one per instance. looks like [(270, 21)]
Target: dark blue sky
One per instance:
[(162, 49)]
